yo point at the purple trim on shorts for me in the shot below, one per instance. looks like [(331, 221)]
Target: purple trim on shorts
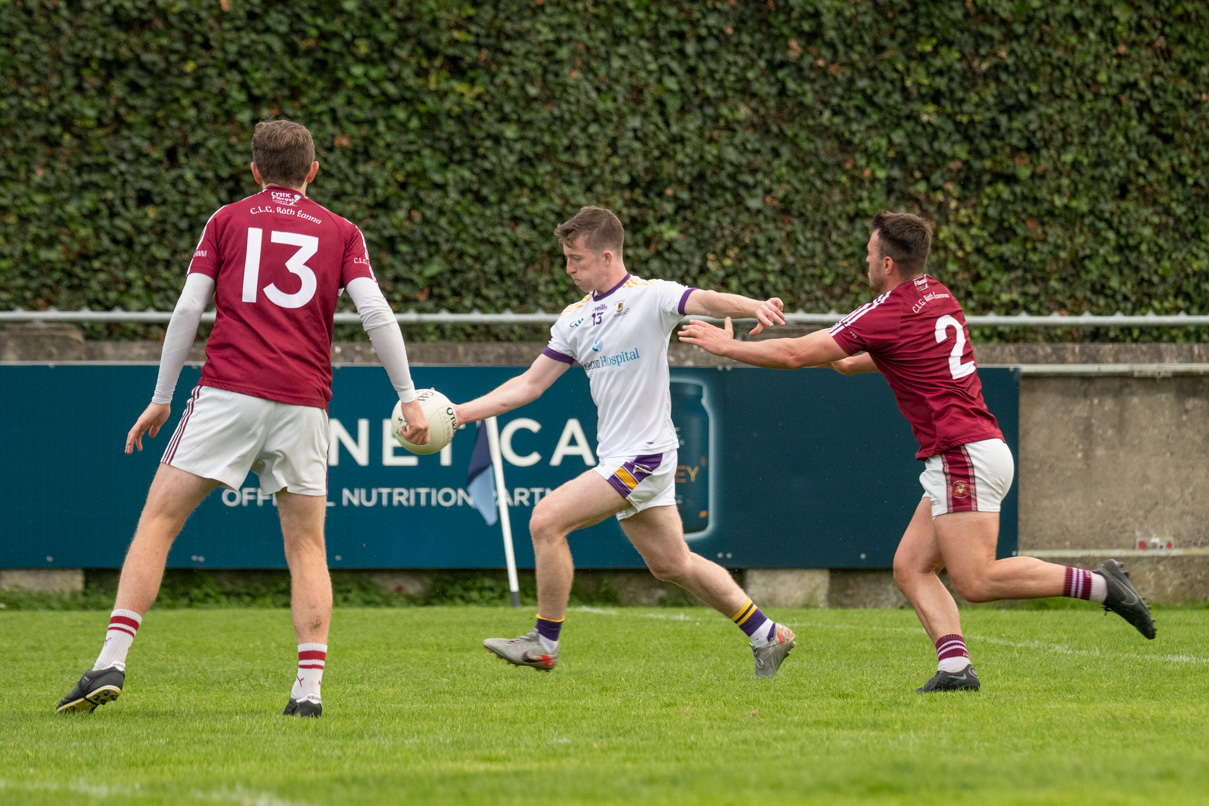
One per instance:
[(684, 300), (639, 468), (599, 297), (557, 356)]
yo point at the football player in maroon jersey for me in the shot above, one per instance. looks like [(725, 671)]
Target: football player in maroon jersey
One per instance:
[(915, 334), (274, 264)]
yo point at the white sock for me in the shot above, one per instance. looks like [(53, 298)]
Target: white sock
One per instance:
[(762, 637), (547, 644), (1099, 588), (311, 660), (952, 664), (123, 625)]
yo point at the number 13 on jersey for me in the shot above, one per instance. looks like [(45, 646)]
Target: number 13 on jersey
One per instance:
[(307, 245)]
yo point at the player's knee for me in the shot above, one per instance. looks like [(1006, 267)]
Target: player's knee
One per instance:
[(907, 574), (305, 545), (971, 587), (544, 527), (669, 569)]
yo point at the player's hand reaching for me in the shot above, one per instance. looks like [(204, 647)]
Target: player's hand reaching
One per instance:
[(771, 312), (708, 337), (416, 431), (154, 416)]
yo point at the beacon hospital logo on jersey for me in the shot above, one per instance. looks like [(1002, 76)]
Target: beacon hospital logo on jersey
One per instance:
[(606, 360)]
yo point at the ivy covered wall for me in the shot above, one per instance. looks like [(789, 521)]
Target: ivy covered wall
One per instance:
[(1061, 145)]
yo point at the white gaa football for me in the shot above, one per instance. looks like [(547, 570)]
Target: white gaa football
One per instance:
[(442, 422)]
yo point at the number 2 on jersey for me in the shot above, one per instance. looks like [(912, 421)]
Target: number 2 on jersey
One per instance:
[(958, 369), (307, 245)]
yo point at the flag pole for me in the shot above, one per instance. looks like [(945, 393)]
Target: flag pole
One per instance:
[(497, 465)]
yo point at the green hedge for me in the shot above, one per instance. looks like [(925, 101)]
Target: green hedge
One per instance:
[(1061, 145)]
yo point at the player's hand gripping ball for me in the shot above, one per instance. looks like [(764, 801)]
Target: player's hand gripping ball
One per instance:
[(442, 422)]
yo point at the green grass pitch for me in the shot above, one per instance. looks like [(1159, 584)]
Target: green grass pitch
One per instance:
[(650, 706)]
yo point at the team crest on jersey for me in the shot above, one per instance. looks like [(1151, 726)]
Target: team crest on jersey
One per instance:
[(620, 310), (285, 198), (961, 489)]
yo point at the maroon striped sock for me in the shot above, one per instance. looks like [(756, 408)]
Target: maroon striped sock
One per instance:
[(1077, 584), (311, 660), (951, 653), (123, 626)]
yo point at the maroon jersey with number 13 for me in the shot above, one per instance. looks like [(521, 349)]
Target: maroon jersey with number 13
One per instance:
[(278, 261)]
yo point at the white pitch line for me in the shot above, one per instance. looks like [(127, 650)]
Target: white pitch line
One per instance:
[(1060, 649), (236, 794)]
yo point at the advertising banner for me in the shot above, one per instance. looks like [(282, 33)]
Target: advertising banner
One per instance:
[(804, 469)]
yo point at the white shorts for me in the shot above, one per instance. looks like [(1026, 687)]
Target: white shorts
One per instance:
[(643, 481), (969, 478), (222, 435)]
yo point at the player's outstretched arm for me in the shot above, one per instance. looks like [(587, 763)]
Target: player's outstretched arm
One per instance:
[(810, 350), (718, 305), (514, 392)]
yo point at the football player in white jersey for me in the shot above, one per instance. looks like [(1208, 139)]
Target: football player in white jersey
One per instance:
[(619, 334)]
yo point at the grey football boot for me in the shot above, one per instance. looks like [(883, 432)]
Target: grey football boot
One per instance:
[(770, 656), (524, 650), (1123, 599)]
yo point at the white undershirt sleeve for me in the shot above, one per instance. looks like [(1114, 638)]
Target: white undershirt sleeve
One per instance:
[(182, 330), (383, 329)]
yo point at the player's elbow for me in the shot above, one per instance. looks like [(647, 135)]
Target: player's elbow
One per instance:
[(796, 359), (843, 368), (189, 307), (527, 393)]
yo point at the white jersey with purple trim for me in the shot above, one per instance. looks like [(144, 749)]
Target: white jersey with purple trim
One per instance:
[(620, 338)]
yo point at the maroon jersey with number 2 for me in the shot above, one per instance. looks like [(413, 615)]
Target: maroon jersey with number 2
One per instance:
[(278, 261), (917, 337)]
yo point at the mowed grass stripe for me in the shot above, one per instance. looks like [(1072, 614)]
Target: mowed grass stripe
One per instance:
[(647, 705)]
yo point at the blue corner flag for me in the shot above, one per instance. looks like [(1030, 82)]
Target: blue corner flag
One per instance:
[(480, 480)]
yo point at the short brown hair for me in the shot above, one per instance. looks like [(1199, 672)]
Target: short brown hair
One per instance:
[(283, 152), (905, 238), (599, 228)]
